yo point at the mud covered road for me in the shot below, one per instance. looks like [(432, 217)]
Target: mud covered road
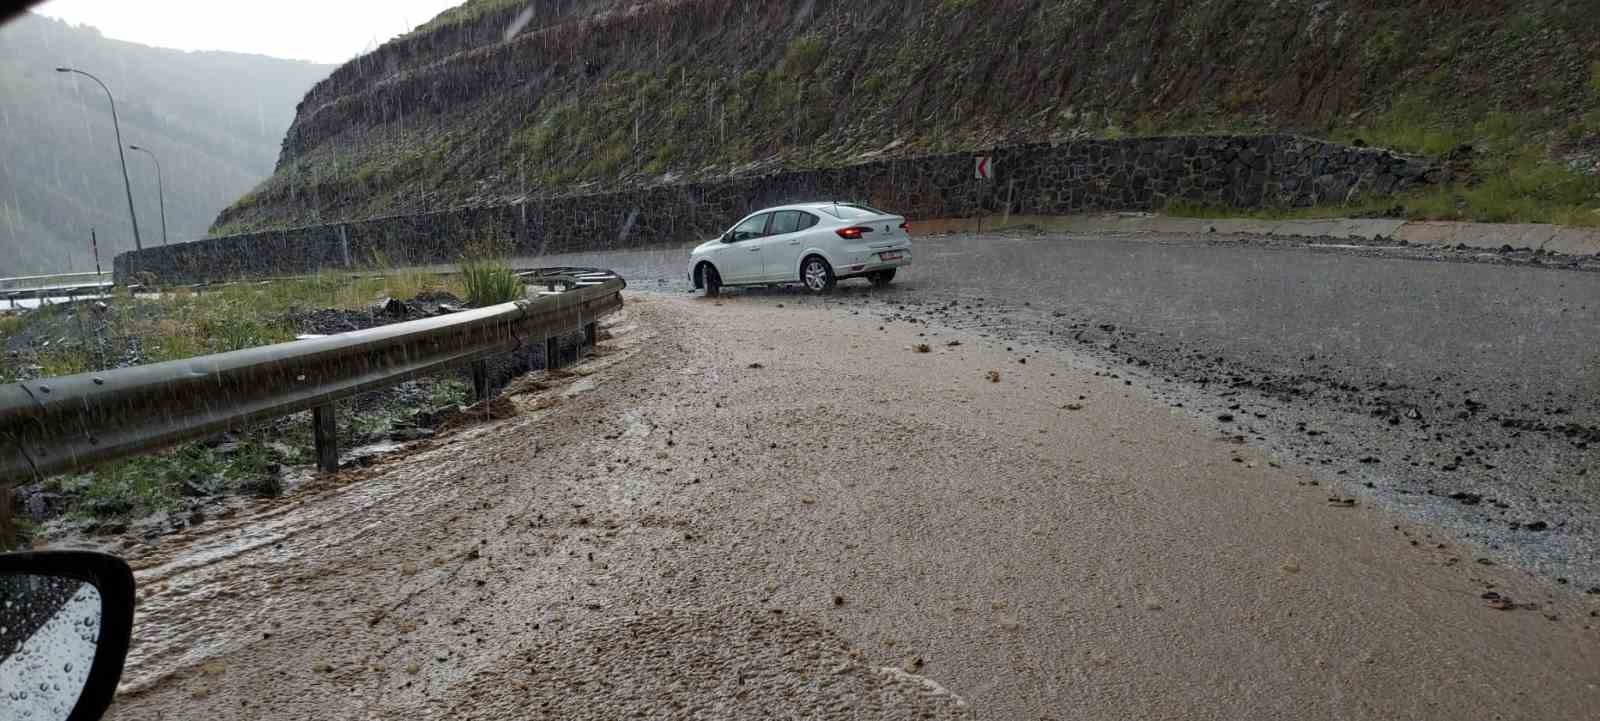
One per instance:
[(780, 506), (1461, 388)]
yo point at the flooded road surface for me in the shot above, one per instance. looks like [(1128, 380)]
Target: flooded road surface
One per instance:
[(776, 505), (1466, 394), (474, 572)]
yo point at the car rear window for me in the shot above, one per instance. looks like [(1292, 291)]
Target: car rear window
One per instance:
[(784, 221), (850, 211), (807, 220)]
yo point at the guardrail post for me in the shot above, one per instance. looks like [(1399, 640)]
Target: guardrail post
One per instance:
[(8, 528), (480, 380), (552, 353), (326, 433)]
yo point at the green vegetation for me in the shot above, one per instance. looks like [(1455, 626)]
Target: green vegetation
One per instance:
[(85, 337), (388, 413), (1515, 178), (465, 12), (147, 484), (489, 281), (1410, 125), (803, 56), (720, 97), (1512, 177)]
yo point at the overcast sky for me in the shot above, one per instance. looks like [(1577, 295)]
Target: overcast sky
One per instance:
[(326, 31)]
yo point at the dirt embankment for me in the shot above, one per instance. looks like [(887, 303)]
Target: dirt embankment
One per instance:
[(773, 504)]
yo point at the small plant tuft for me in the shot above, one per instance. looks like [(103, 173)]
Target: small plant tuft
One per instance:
[(490, 281)]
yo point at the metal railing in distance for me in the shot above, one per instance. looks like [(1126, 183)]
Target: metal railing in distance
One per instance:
[(54, 425), (85, 278)]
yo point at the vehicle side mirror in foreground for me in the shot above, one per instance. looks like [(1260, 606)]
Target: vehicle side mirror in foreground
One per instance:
[(65, 621)]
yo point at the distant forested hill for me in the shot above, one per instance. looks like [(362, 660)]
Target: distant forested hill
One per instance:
[(216, 121)]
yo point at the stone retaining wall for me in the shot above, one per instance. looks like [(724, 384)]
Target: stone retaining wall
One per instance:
[(1076, 177)]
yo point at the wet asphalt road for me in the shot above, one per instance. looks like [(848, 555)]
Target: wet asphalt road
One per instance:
[(1465, 393)]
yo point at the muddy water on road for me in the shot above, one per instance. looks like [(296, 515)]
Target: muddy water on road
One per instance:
[(1464, 394), (773, 505), (471, 577)]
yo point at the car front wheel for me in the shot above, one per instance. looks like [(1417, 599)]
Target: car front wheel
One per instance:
[(817, 275), (712, 281)]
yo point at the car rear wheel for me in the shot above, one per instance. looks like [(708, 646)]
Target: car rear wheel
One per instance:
[(817, 274), (711, 280), (881, 278)]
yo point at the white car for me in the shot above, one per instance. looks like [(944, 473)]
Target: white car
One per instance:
[(817, 244)]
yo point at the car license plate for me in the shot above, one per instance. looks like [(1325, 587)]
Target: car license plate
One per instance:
[(891, 255)]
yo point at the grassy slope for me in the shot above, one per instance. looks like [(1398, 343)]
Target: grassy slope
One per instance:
[(594, 95)]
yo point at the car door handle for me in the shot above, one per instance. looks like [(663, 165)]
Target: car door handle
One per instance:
[(794, 242), (755, 249)]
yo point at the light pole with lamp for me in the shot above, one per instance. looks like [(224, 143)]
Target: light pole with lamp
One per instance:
[(126, 186), (161, 194)]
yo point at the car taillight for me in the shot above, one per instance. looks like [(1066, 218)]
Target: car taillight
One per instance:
[(853, 233), (905, 228)]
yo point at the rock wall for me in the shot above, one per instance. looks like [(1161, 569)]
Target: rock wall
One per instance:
[(1076, 177)]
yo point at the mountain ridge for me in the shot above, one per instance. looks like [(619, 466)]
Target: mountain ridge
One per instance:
[(597, 95), (215, 119)]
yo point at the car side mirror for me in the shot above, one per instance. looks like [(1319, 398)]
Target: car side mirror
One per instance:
[(727, 237), (65, 621)]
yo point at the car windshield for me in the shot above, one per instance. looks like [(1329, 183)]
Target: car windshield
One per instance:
[(746, 359)]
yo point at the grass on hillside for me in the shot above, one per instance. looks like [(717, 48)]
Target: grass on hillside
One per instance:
[(683, 111), (1515, 179)]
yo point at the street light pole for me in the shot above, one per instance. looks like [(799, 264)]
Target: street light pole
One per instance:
[(126, 186), (161, 194)]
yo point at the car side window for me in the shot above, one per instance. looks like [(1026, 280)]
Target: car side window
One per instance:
[(753, 227), (785, 221), (806, 220)]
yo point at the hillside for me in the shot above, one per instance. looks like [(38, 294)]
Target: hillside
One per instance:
[(215, 120), (498, 100)]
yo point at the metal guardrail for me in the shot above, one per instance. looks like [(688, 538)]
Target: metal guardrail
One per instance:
[(53, 425), (70, 292), (65, 280)]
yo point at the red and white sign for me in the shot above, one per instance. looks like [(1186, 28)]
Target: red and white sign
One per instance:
[(983, 168)]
